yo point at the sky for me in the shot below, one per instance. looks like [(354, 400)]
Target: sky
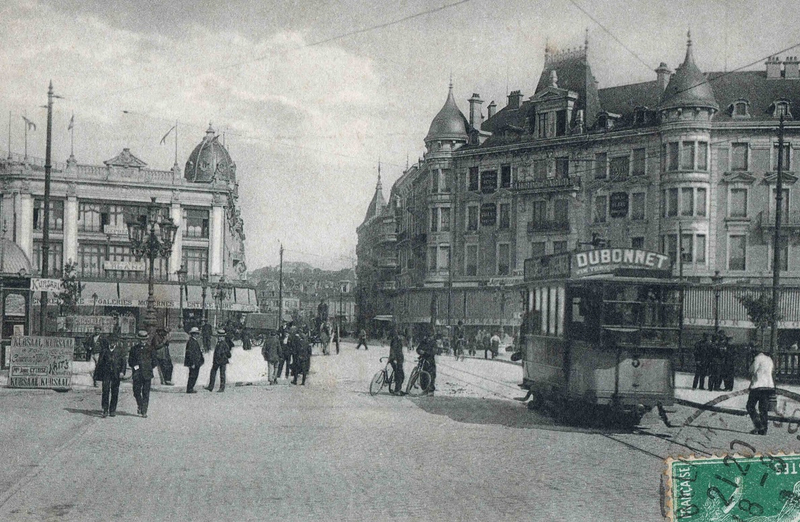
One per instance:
[(311, 95)]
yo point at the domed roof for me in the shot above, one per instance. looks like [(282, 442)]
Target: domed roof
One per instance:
[(14, 259), (210, 161), (688, 87), (450, 123)]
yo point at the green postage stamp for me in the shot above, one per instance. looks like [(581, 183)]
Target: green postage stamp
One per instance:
[(761, 488)]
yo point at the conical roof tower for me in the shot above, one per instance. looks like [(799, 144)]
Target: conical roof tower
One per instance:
[(688, 87)]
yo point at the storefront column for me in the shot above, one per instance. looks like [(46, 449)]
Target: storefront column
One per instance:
[(24, 232), (215, 242), (71, 226), (176, 257)]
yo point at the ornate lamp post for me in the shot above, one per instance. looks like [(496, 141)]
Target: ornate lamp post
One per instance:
[(151, 236), (221, 292), (181, 273)]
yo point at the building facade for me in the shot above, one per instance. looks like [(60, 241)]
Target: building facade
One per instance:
[(90, 206), (686, 161)]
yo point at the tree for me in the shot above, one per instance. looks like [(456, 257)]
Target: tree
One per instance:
[(760, 311), (71, 289)]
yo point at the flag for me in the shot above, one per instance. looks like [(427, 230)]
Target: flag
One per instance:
[(29, 123), (71, 122), (167, 134)]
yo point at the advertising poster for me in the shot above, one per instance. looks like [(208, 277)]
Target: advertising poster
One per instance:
[(41, 362)]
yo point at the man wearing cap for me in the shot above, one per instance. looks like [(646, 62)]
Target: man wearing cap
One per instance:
[(140, 359), (222, 353), (762, 386), (193, 359)]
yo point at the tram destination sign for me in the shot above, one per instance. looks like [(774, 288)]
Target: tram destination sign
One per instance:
[(609, 260), (41, 362)]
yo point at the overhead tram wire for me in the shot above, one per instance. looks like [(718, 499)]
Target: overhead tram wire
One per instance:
[(287, 51)]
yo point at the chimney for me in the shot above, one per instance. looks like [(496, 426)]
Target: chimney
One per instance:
[(475, 111), (492, 108), (662, 77), (773, 68), (791, 69), (513, 99)]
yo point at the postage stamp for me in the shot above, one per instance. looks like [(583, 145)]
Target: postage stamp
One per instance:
[(760, 488)]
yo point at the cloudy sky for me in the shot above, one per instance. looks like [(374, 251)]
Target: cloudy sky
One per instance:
[(310, 94)]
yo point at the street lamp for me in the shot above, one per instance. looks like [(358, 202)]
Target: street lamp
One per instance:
[(151, 236), (222, 292), (715, 281), (181, 273), (204, 286)]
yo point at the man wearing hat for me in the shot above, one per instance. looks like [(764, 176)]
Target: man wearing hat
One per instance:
[(109, 370), (222, 353), (193, 358), (140, 359), (161, 348)]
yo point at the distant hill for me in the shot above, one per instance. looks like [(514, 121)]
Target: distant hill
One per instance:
[(300, 271)]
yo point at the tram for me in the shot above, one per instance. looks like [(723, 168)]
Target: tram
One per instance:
[(601, 328)]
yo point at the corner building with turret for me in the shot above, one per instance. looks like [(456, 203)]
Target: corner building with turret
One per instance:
[(628, 166)]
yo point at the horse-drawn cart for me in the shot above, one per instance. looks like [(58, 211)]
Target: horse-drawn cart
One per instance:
[(259, 324)]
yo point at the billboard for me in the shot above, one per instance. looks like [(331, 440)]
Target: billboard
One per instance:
[(41, 362)]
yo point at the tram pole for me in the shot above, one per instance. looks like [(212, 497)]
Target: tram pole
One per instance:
[(776, 243), (680, 292)]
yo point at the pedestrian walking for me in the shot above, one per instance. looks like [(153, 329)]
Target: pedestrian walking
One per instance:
[(222, 354), (762, 387), (207, 332), (396, 360), (161, 348), (494, 346), (302, 357), (336, 338), (325, 338), (362, 339), (141, 360), (272, 353), (193, 358), (701, 354), (109, 370), (286, 351), (247, 344), (93, 345)]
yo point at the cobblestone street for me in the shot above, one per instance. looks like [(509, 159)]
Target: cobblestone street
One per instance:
[(331, 451)]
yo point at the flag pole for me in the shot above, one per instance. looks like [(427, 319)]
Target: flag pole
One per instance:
[(26, 135), (72, 136), (9, 134), (176, 142)]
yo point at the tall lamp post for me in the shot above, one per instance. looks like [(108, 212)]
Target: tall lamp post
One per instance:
[(151, 236), (716, 279), (204, 287), (181, 273), (221, 293)]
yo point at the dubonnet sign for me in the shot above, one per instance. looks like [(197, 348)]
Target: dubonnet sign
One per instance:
[(606, 260), (41, 362)]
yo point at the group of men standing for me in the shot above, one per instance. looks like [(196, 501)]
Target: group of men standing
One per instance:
[(289, 348), (714, 358)]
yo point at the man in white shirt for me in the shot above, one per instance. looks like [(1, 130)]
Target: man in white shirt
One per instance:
[(761, 388)]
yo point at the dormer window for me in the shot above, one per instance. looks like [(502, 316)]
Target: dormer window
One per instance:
[(605, 120), (640, 116), (740, 109), (781, 108)]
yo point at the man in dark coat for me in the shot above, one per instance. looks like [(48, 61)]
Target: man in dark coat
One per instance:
[(109, 370), (93, 345), (193, 358), (207, 333), (286, 350), (715, 363), (301, 349), (427, 352), (362, 339), (141, 360), (222, 354), (728, 363), (702, 350), (396, 360), (161, 348)]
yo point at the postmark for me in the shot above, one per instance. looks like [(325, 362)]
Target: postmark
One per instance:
[(734, 488)]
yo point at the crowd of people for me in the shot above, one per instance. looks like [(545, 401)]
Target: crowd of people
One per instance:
[(715, 359)]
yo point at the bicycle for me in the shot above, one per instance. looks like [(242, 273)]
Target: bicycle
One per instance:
[(382, 378), (420, 380)]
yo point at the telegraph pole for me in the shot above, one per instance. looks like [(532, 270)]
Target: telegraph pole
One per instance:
[(776, 243), (280, 288), (46, 213)]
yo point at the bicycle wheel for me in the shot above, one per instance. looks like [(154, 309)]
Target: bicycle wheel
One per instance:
[(419, 383), (377, 383)]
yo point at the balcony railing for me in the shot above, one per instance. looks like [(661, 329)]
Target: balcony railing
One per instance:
[(548, 226), (388, 237), (766, 219), (549, 184), (387, 285)]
